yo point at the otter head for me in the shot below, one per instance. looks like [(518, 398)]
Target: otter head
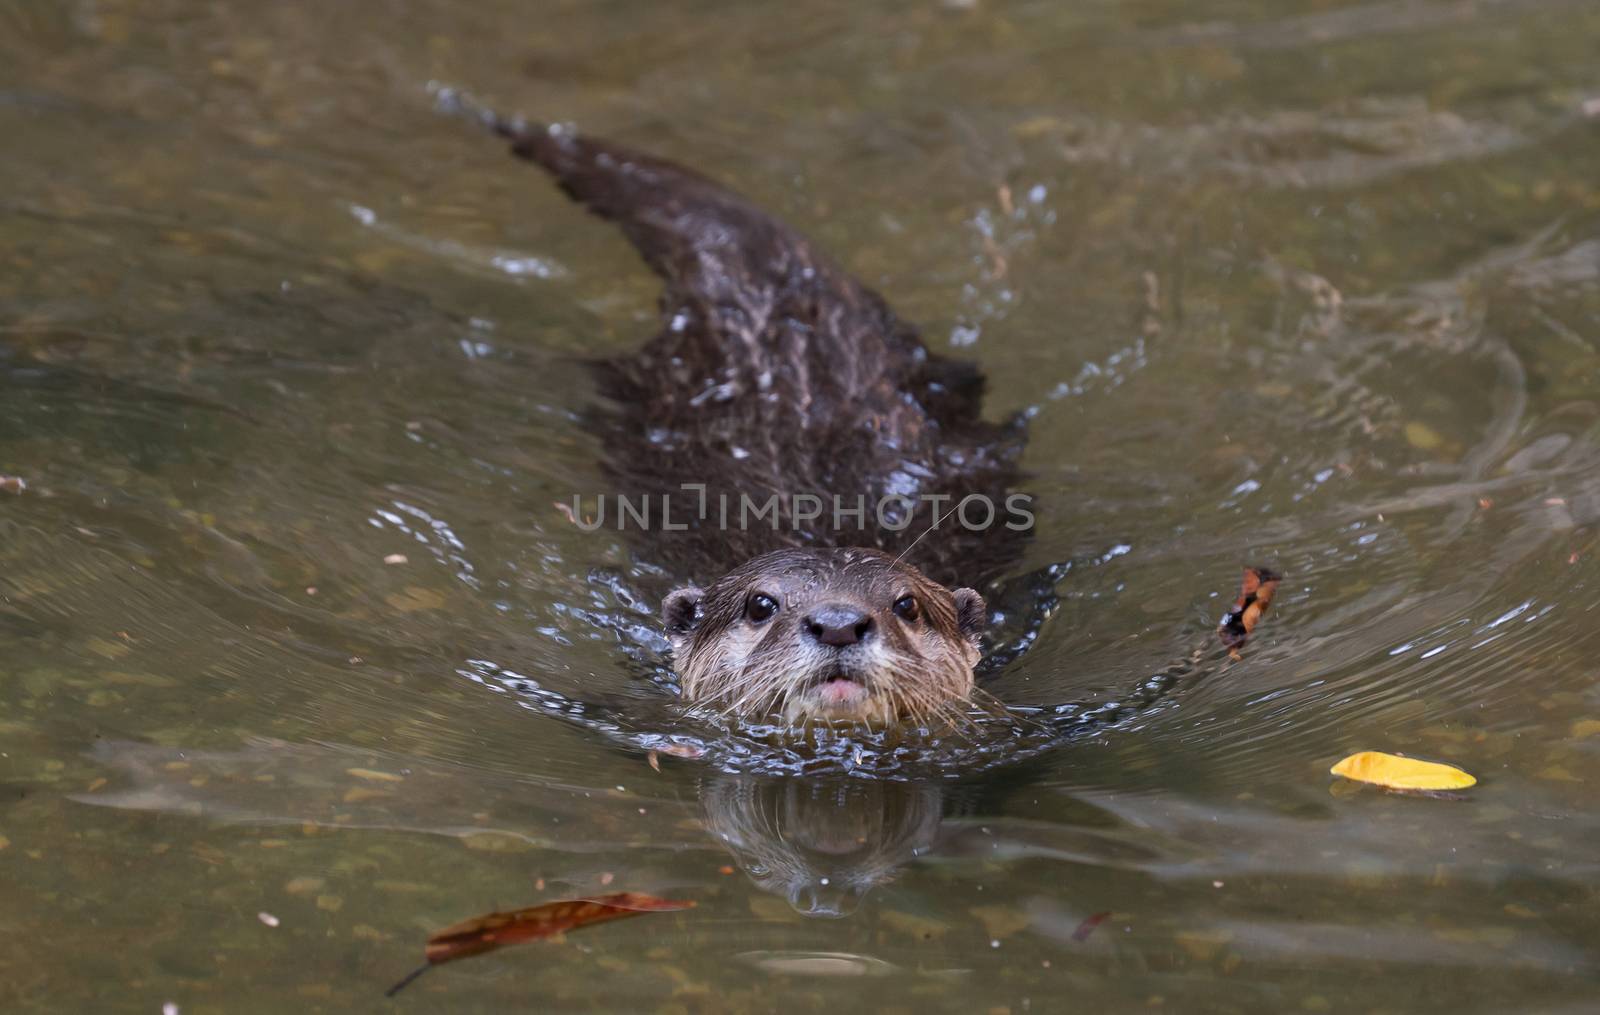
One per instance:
[(826, 634)]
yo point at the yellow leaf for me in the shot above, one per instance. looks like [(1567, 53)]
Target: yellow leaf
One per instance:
[(1396, 772)]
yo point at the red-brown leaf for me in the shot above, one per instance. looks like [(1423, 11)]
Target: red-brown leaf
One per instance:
[(1088, 925), (495, 930)]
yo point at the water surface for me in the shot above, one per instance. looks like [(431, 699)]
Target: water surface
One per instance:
[(1308, 284)]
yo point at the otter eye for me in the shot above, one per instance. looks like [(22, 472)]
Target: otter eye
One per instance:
[(907, 608), (760, 607)]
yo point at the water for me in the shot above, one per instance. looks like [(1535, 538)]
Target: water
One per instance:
[(1305, 284)]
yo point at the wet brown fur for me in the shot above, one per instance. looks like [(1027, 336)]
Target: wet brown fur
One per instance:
[(776, 372), (909, 668)]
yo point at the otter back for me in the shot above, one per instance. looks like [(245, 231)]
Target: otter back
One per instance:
[(777, 374)]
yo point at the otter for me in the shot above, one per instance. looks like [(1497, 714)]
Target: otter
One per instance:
[(776, 372)]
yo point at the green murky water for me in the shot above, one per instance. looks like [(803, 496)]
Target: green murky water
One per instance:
[(1311, 284)]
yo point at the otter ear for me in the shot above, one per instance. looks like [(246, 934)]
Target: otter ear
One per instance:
[(972, 614), (680, 612)]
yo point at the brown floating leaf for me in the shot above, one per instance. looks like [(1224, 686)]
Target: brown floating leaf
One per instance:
[(486, 933), (1255, 595), (496, 930)]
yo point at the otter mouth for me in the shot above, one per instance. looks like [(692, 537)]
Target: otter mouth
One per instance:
[(838, 691), (835, 674), (841, 689)]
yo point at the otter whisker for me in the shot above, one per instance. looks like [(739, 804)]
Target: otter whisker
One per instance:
[(936, 523), (998, 709), (762, 682)]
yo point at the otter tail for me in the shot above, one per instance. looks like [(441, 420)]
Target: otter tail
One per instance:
[(702, 239)]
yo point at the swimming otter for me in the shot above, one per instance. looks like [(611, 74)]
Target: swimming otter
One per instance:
[(776, 374)]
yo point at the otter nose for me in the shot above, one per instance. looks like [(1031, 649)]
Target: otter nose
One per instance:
[(838, 625)]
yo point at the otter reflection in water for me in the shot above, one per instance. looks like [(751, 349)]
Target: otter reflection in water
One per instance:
[(776, 373), (821, 843)]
